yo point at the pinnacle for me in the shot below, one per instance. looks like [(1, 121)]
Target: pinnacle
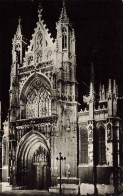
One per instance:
[(91, 89), (63, 16), (39, 11), (18, 32), (19, 25)]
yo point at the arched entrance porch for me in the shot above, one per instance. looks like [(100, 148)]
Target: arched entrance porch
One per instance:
[(33, 161)]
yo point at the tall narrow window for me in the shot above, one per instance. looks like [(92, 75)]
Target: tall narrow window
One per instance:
[(101, 145), (64, 38), (83, 151)]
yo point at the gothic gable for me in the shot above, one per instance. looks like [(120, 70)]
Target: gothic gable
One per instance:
[(41, 45)]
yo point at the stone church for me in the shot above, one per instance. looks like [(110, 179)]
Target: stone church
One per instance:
[(44, 119)]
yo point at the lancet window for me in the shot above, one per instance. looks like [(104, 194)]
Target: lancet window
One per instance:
[(83, 152), (38, 101), (101, 145), (64, 38)]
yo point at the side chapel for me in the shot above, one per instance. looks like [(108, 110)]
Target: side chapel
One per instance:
[(44, 118)]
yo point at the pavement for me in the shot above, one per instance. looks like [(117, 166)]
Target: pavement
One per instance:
[(26, 193), (38, 193)]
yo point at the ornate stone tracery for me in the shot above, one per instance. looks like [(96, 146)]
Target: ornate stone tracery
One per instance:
[(38, 101)]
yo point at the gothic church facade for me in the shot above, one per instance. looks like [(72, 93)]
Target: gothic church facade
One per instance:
[(44, 118), (43, 104)]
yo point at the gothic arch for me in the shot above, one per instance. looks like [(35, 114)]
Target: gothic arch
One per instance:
[(36, 97), (100, 124), (31, 79), (32, 146), (30, 137)]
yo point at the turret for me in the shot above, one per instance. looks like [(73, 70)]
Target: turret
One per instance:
[(18, 50), (17, 45), (66, 58), (65, 34)]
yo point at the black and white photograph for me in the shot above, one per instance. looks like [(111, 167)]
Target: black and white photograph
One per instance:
[(61, 97)]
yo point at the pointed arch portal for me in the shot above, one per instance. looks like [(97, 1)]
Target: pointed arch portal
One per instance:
[(33, 161)]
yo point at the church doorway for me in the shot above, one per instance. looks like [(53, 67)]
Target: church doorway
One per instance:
[(40, 176), (33, 162)]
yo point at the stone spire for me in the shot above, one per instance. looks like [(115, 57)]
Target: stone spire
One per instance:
[(63, 16), (92, 81), (19, 30)]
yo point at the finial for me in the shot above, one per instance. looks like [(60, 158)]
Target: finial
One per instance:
[(92, 73), (39, 11), (63, 3), (19, 21)]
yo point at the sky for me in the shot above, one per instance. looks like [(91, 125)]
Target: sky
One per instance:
[(98, 28)]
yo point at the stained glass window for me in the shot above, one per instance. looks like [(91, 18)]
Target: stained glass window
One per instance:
[(38, 101)]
